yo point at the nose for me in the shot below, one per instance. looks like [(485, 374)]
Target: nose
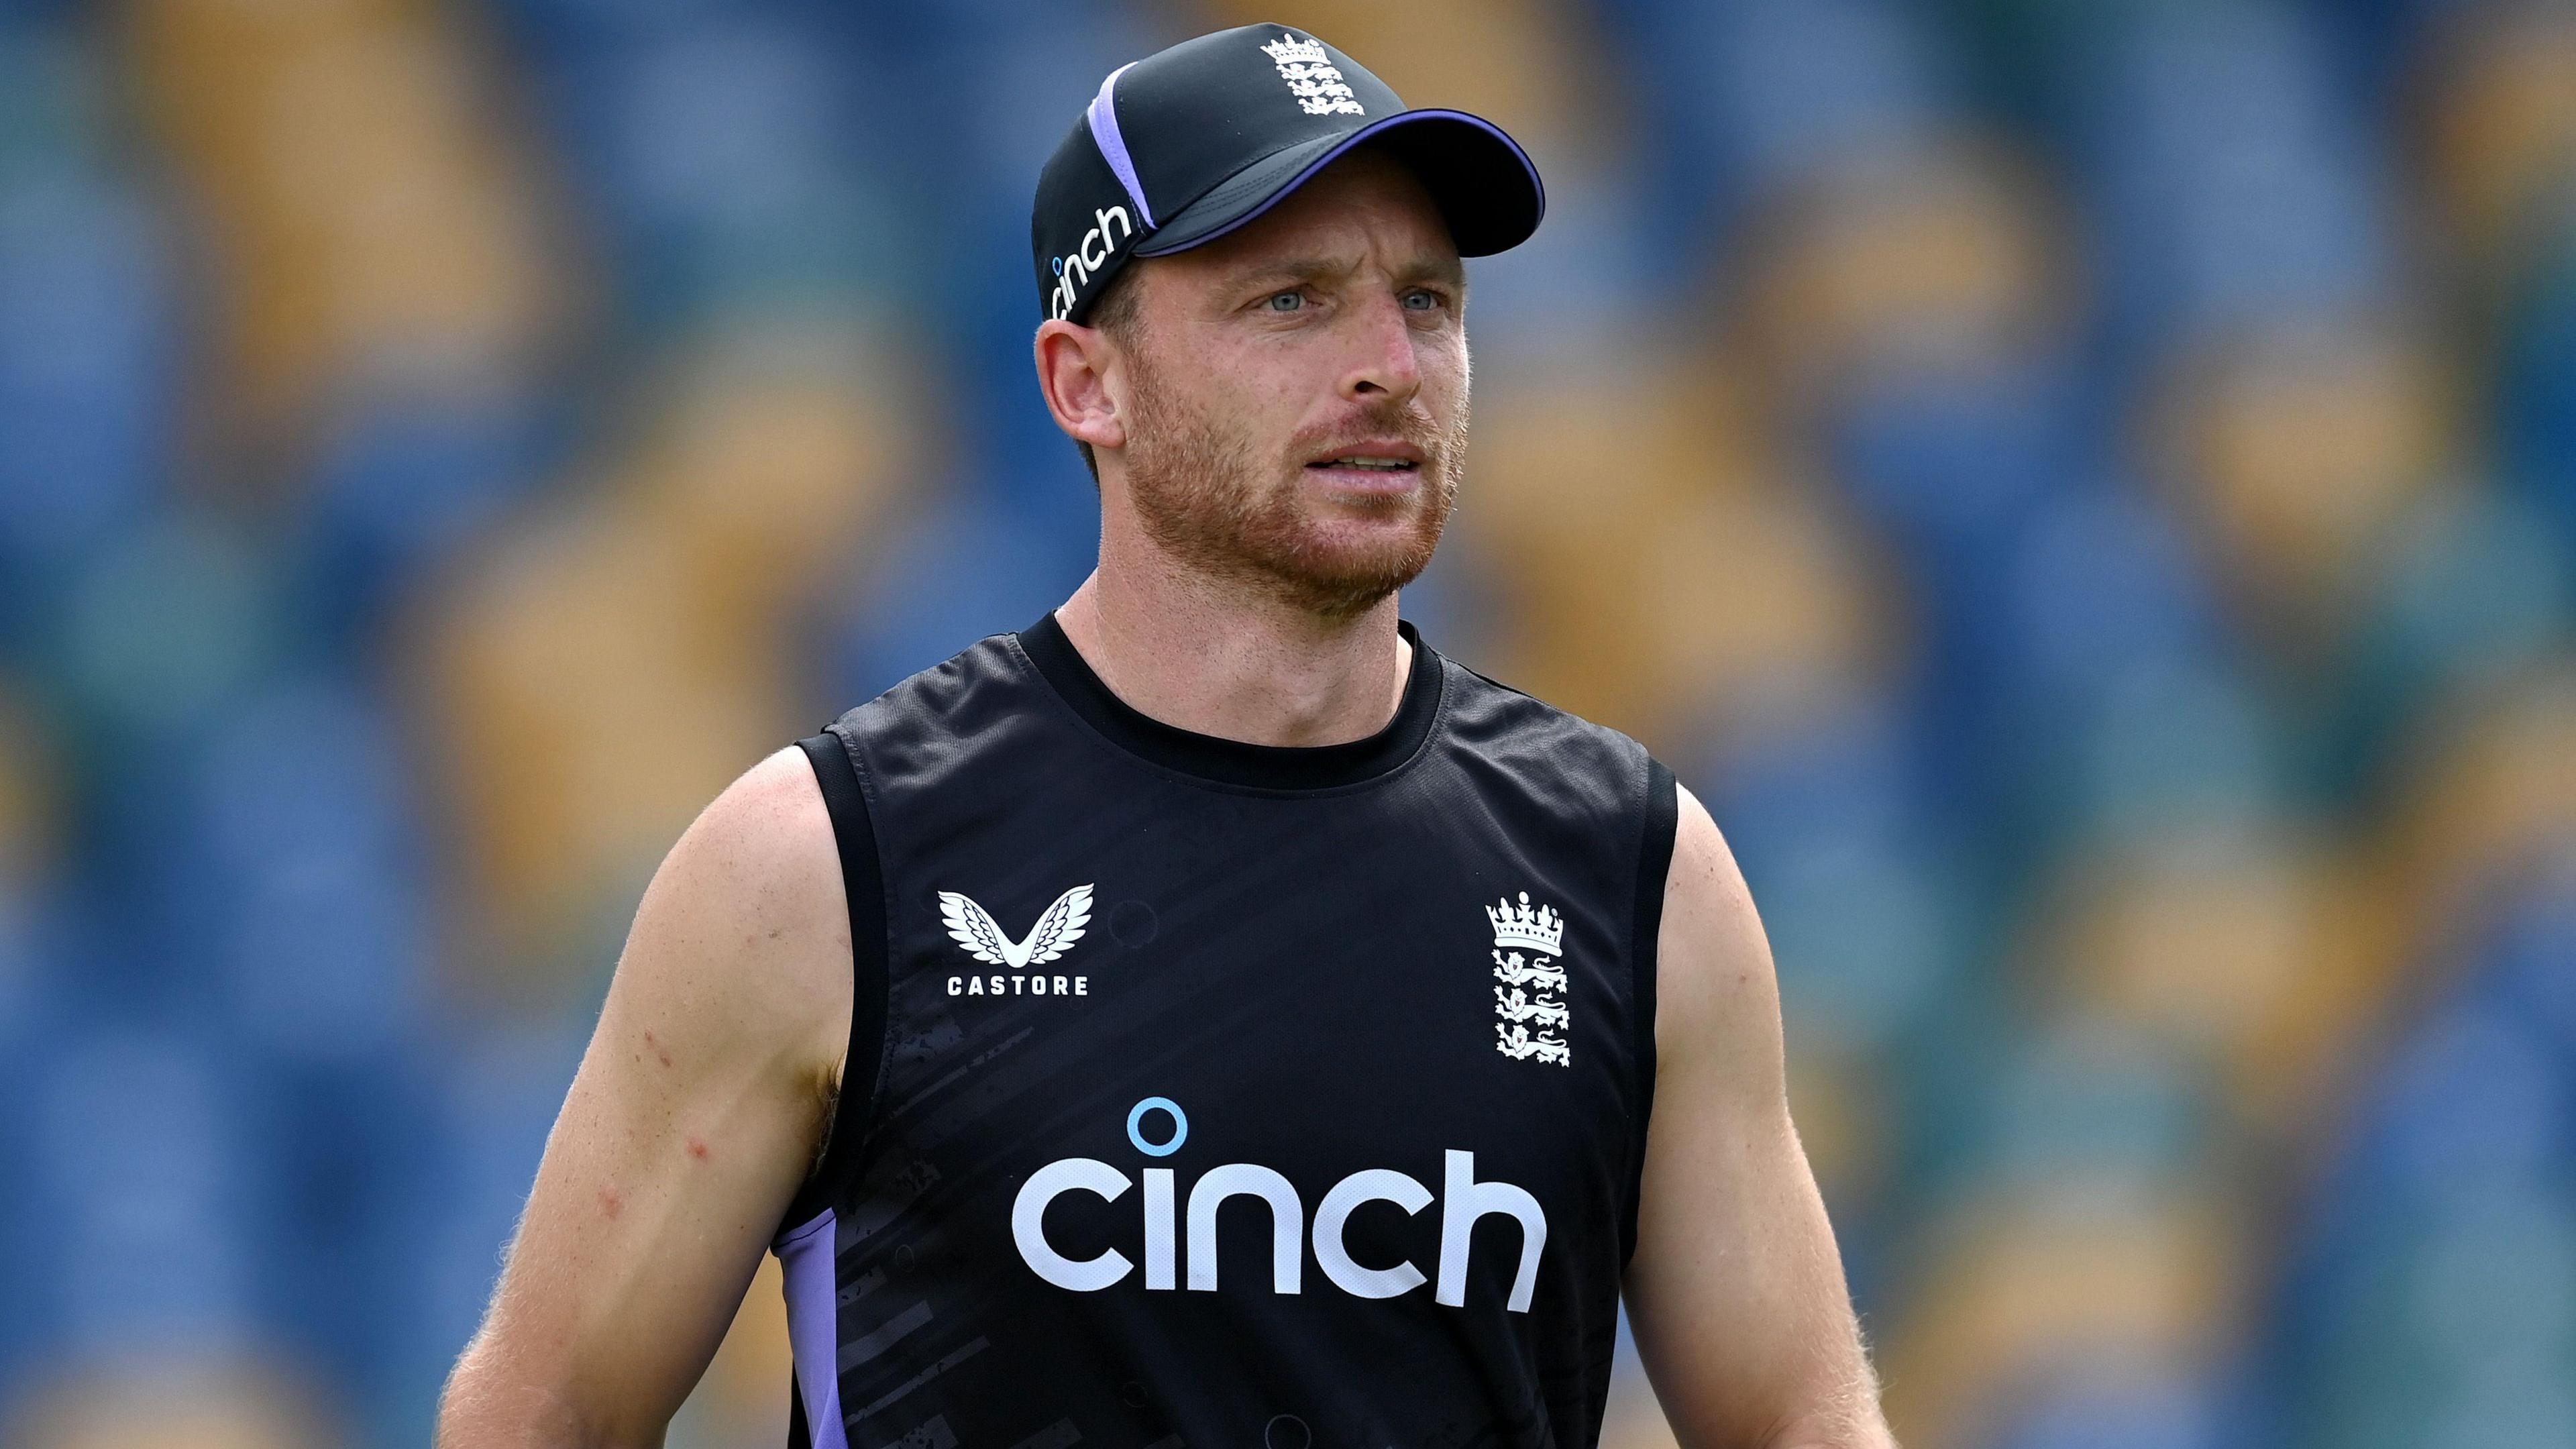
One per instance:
[(1384, 367)]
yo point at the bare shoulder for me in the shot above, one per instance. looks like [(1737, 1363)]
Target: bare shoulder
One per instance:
[(1715, 991), (744, 929), (766, 840)]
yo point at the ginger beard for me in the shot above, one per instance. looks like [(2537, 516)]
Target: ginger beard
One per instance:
[(1206, 495)]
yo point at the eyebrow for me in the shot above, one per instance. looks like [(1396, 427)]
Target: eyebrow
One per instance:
[(1443, 269), (1299, 269)]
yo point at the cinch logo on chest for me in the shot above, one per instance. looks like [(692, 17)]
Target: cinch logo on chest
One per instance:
[(1059, 927), (1463, 1201)]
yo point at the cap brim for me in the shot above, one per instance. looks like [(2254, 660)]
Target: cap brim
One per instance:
[(1484, 184)]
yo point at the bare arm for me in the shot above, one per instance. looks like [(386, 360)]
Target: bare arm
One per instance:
[(1736, 1291), (696, 1112)]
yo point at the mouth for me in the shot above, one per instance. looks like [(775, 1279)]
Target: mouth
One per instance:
[(1376, 465)]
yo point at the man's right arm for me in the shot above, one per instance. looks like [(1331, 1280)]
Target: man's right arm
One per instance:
[(694, 1116)]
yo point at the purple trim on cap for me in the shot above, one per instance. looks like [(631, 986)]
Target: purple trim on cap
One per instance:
[(1113, 147), (813, 1327), (1335, 153)]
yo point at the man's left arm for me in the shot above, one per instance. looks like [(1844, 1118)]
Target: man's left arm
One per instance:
[(1736, 1291)]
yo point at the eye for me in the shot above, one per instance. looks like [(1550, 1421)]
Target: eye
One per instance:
[(1286, 301), (1421, 299)]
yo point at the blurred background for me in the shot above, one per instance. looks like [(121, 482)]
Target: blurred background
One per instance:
[(2084, 491)]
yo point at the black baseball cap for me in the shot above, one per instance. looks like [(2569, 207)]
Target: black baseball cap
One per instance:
[(1191, 142)]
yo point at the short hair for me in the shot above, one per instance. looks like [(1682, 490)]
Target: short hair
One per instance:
[(1113, 311)]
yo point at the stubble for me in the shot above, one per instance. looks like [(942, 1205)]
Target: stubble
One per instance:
[(1208, 498)]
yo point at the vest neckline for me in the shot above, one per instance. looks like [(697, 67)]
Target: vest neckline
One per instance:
[(1239, 762)]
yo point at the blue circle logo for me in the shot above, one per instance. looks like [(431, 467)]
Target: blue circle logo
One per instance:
[(1136, 1122), (1059, 266)]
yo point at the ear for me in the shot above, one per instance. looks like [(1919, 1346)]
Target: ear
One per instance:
[(1073, 375)]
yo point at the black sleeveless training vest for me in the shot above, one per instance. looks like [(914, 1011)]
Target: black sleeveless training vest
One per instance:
[(1209, 1095)]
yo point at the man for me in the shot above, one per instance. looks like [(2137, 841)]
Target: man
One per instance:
[(1207, 1017)]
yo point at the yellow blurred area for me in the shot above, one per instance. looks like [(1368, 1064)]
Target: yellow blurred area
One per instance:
[(1842, 1102), (1676, 574), (2492, 798), (28, 807), (608, 668), (220, 1404), (2030, 1285), (743, 1397), (2500, 124), (1937, 257), (2266, 959), (2297, 450), (357, 177)]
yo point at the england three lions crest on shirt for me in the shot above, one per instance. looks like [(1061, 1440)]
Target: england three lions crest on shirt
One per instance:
[(1530, 1001)]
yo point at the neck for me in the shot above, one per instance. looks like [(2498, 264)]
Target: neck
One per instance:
[(1218, 658)]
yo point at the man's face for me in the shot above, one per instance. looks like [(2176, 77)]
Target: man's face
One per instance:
[(1296, 392)]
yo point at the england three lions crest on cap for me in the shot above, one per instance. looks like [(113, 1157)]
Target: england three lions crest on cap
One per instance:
[(1199, 139), (1312, 77), (1532, 993)]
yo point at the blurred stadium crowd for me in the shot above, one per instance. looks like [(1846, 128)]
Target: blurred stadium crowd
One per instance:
[(2085, 491)]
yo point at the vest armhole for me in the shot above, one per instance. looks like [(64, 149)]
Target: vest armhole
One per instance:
[(863, 886), (1654, 865)]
